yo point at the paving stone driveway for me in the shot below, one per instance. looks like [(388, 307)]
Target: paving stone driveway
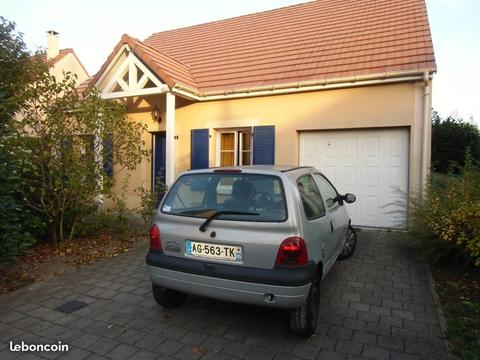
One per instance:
[(376, 305)]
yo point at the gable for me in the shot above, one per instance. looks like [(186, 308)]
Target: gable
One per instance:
[(127, 75), (69, 63)]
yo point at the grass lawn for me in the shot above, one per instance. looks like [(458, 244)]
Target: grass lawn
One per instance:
[(459, 292)]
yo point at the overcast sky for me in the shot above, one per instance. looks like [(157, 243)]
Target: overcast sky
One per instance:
[(93, 27)]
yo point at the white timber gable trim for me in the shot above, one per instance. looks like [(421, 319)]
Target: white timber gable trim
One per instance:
[(131, 78)]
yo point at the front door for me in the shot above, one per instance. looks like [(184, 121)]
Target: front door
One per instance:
[(158, 158)]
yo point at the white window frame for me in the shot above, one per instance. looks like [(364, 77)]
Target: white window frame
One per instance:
[(241, 150), (237, 160)]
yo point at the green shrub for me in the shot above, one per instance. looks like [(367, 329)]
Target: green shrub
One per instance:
[(149, 200), (447, 222), (452, 138), (101, 222), (20, 227)]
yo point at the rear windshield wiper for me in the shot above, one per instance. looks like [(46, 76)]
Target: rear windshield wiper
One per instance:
[(204, 225)]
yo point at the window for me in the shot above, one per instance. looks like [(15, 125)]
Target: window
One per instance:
[(235, 147), (199, 195), (245, 149), (311, 199), (227, 149), (327, 190)]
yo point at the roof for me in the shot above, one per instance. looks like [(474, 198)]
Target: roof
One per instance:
[(62, 53), (318, 40), (83, 87), (170, 70)]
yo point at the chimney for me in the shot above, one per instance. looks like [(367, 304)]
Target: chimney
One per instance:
[(53, 48)]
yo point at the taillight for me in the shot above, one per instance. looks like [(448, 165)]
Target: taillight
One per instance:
[(155, 240), (292, 252)]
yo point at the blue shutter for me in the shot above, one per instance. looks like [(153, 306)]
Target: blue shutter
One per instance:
[(199, 149), (264, 145), (108, 156)]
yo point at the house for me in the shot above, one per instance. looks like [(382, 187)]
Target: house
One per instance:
[(63, 60), (344, 86)]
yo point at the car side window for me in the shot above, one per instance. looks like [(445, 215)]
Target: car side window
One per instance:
[(327, 191), (311, 198)]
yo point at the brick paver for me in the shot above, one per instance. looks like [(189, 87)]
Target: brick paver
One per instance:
[(376, 305)]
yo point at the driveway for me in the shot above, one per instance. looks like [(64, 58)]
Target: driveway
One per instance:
[(376, 305)]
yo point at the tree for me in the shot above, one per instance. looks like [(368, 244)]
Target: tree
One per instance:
[(451, 139), (18, 67), (19, 226), (67, 139)]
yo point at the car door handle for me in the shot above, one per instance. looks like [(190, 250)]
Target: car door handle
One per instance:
[(331, 226)]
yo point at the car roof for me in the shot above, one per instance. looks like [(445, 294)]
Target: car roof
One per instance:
[(255, 168)]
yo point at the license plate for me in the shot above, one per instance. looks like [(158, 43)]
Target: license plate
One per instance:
[(214, 251)]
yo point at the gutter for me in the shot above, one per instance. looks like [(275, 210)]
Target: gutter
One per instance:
[(425, 133), (289, 88)]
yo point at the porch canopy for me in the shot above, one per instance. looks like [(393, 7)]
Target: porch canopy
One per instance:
[(133, 69)]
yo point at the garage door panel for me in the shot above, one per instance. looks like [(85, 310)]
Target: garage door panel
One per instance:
[(350, 179), (372, 207), (330, 147), (372, 177), (372, 164), (351, 149), (395, 177)]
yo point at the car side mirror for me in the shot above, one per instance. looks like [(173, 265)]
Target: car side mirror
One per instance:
[(349, 198)]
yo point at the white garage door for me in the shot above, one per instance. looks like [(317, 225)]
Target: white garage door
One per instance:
[(372, 164)]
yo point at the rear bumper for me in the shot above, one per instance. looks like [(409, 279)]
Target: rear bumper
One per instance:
[(280, 287)]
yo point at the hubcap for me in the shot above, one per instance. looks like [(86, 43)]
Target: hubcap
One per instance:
[(349, 243)]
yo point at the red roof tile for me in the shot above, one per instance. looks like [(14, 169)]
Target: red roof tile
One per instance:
[(311, 41), (318, 40), (170, 70), (62, 53)]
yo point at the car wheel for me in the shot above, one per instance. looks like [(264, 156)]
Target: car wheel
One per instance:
[(168, 298), (304, 320), (350, 244)]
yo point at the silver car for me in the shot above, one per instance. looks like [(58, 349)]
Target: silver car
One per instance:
[(262, 235)]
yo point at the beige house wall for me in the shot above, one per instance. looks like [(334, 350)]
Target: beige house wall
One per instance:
[(394, 105), (71, 64)]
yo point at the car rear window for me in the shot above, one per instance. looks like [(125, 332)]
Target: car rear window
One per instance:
[(199, 195)]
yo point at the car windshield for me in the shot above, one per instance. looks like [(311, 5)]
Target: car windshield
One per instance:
[(249, 197)]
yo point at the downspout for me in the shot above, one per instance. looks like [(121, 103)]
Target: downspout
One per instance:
[(425, 134)]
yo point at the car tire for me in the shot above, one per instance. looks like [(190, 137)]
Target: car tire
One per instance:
[(350, 244), (304, 320), (168, 298)]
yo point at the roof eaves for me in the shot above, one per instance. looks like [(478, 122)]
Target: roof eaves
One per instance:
[(137, 49), (311, 85), (137, 46)]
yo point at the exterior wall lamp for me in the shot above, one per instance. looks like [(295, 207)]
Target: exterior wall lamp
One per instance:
[(156, 114)]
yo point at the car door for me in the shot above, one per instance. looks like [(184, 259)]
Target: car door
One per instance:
[(335, 210), (316, 225)]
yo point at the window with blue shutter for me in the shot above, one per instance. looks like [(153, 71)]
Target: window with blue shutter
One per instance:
[(108, 156), (264, 145), (199, 149)]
